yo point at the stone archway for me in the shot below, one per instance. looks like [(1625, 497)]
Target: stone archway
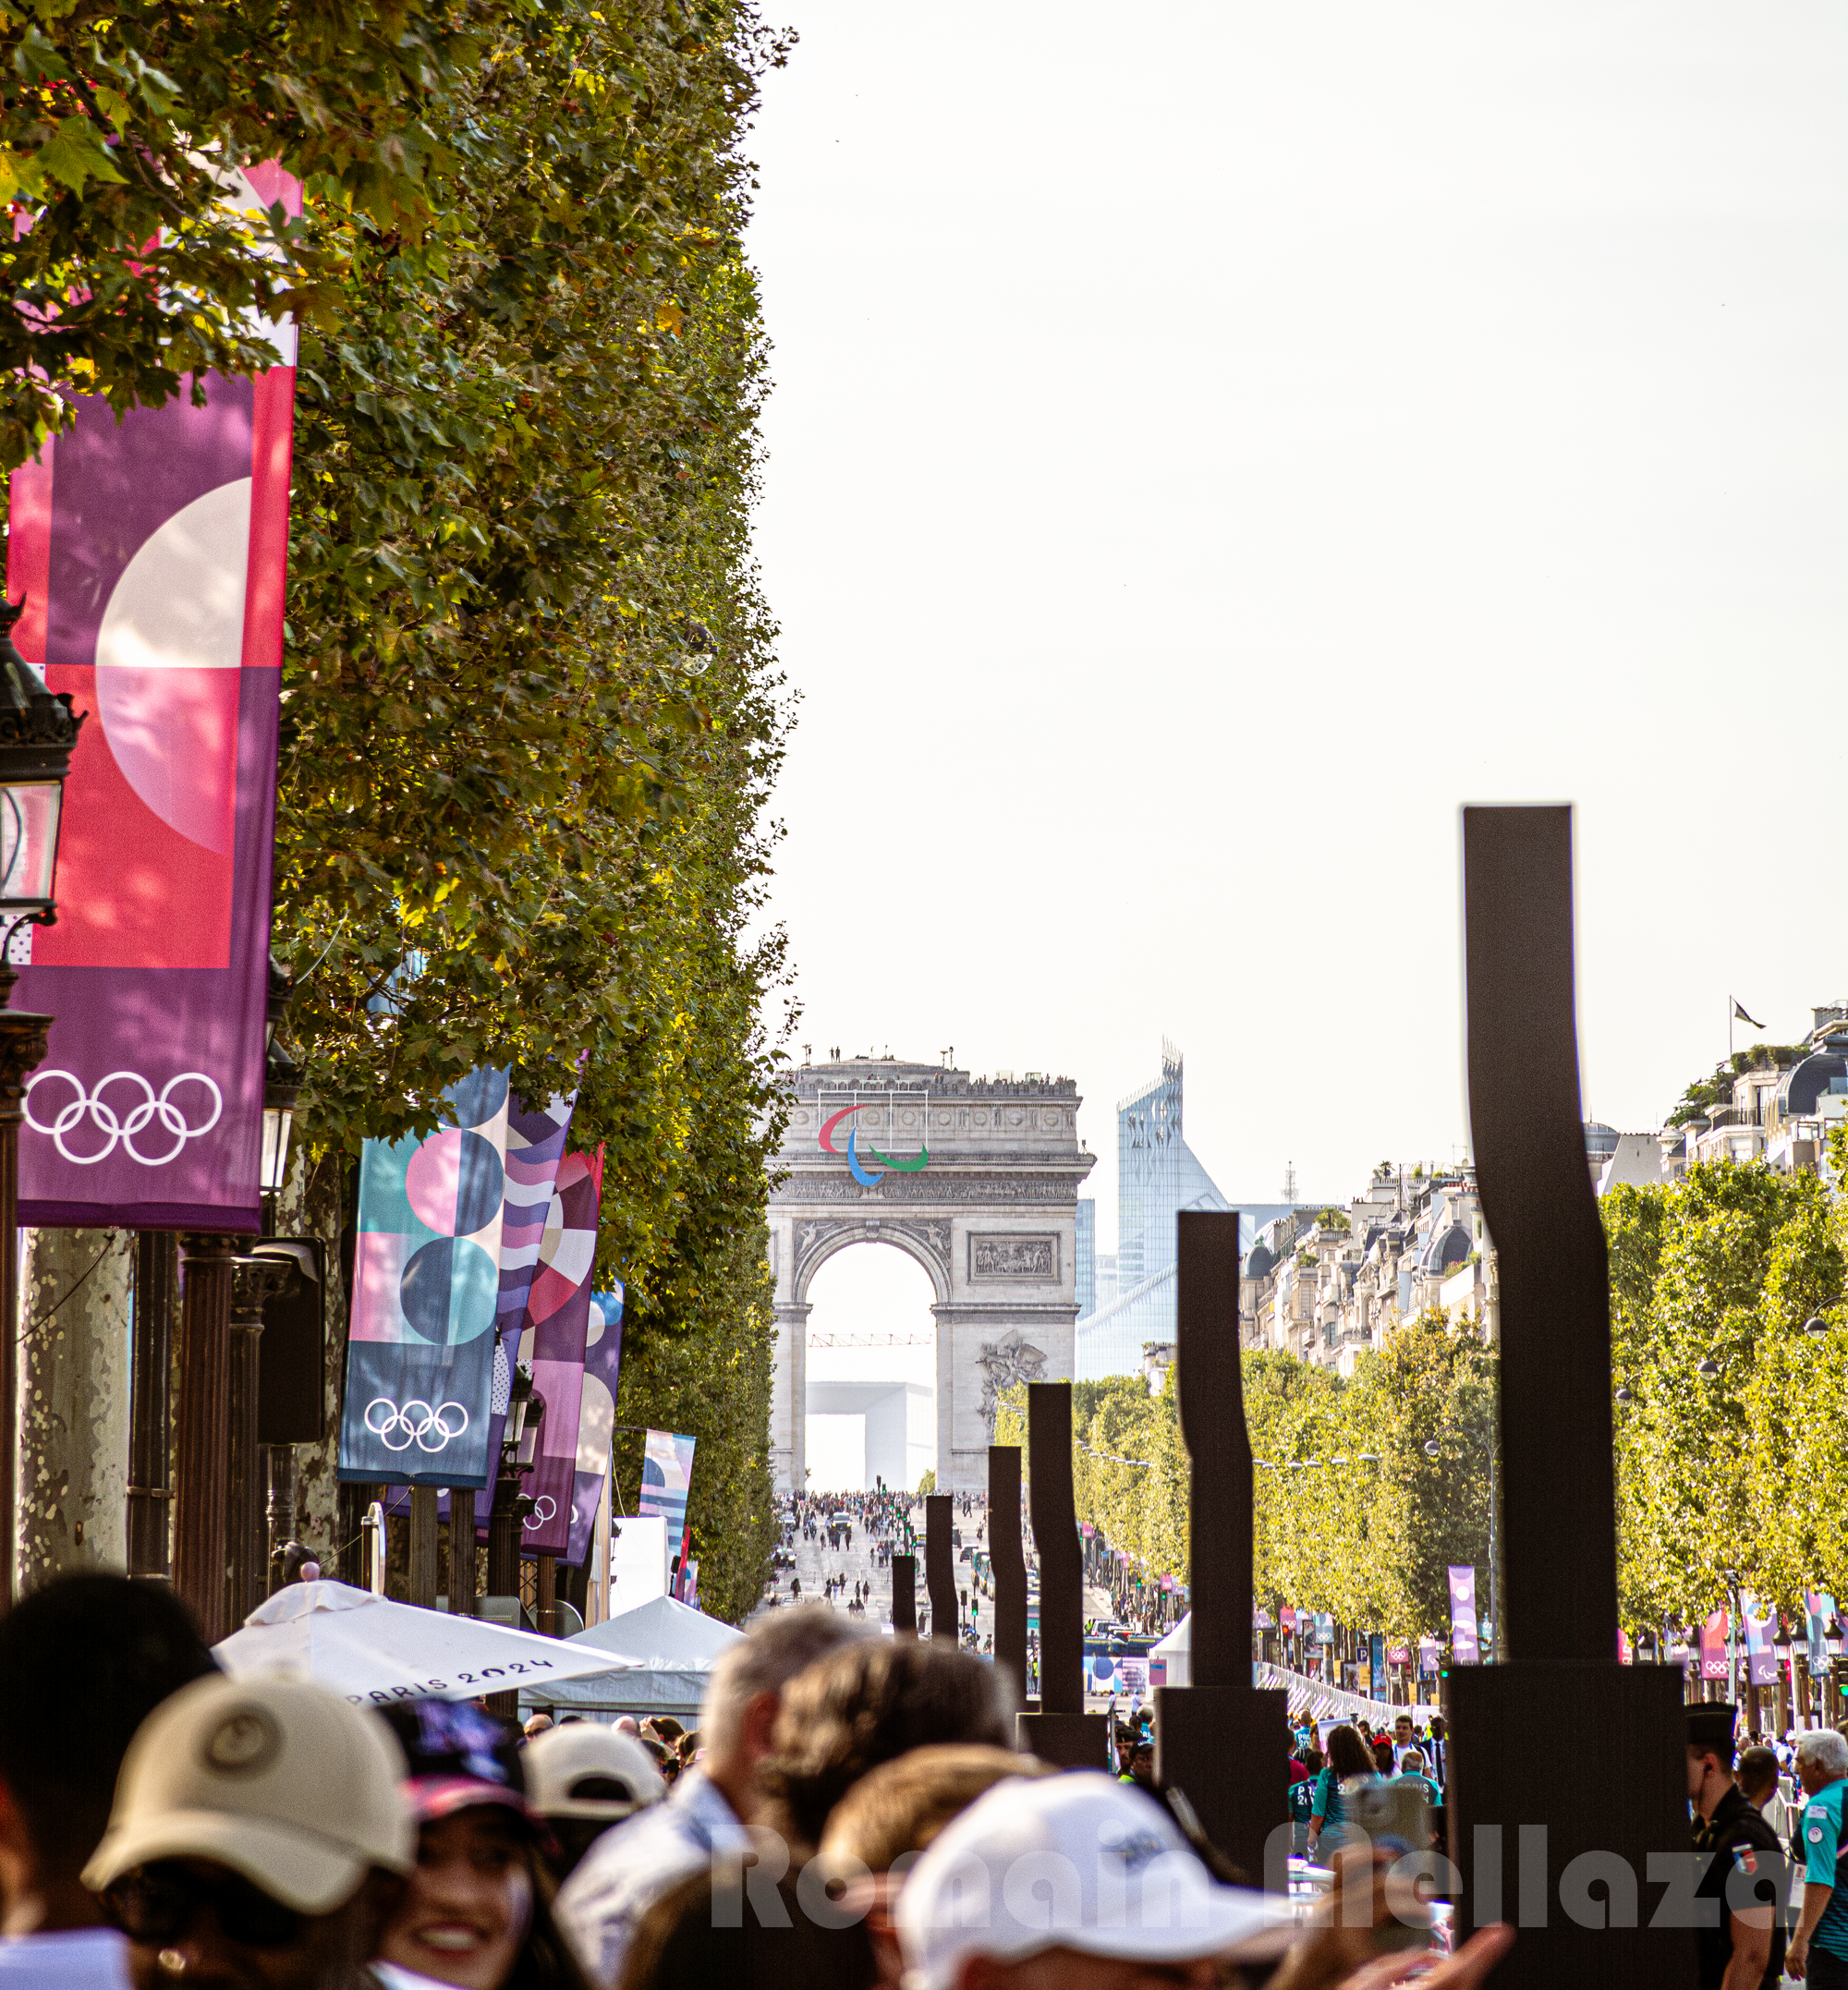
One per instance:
[(990, 1211)]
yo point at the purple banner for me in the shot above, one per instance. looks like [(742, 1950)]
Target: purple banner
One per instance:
[(557, 1321), (1464, 1646), (152, 551), (596, 1418), (1761, 1657)]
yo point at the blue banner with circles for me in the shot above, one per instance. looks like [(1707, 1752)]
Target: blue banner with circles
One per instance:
[(426, 1282)]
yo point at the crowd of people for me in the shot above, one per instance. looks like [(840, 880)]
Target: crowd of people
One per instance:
[(849, 1814), (823, 1825)]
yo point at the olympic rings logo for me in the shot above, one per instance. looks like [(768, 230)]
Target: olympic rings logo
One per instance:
[(544, 1510), (121, 1129), (414, 1423)]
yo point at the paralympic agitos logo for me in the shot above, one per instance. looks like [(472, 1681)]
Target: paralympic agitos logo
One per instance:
[(867, 1180)]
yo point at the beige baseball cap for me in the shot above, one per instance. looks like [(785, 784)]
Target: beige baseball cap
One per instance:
[(279, 1779), (583, 1769)]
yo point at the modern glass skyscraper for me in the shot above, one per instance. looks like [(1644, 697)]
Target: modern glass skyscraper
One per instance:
[(1085, 1271), (1158, 1175)]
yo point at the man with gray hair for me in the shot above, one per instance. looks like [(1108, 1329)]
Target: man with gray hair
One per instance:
[(635, 1862), (1818, 1949)]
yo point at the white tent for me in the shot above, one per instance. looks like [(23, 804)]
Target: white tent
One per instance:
[(673, 1647), (374, 1650), (1177, 1648)]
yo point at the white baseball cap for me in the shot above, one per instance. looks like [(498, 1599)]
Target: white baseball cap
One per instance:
[(1077, 1861)]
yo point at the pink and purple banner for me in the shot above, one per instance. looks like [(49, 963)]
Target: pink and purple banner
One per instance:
[(1464, 1645), (152, 552), (1713, 1656), (557, 1326), (596, 1418)]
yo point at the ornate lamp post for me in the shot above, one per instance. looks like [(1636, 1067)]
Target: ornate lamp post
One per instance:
[(519, 1455), (38, 730)]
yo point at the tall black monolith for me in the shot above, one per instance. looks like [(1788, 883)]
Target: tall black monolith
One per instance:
[(1009, 1564), (1223, 1741), (1572, 1867), (905, 1595), (1062, 1731), (940, 1569)]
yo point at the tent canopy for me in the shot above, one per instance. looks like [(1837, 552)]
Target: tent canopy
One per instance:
[(1180, 1639), (673, 1650), (375, 1651)]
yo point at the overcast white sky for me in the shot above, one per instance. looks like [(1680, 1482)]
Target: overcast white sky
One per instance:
[(1211, 442)]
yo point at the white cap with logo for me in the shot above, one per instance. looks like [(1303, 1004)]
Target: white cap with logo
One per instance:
[(278, 1779), (1077, 1861)]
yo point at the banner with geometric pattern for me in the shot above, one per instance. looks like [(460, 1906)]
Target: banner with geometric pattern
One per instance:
[(426, 1285), (596, 1418), (557, 1323)]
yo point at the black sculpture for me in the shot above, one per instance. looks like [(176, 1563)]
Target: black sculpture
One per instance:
[(1515, 1830), (940, 1569), (905, 1595), (1061, 1731), (1009, 1564), (1222, 1740)]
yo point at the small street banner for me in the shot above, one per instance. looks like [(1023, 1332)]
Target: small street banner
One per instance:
[(667, 1476), (1464, 1647), (1761, 1657), (596, 1418), (426, 1279), (1713, 1659), (558, 1327), (1820, 1607), (152, 555)]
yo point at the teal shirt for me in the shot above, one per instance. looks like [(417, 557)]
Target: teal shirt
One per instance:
[(1821, 1841)]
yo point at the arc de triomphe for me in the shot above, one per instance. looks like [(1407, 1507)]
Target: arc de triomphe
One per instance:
[(978, 1179)]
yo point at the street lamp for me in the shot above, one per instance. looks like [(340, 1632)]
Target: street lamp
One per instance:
[(282, 1086), (1625, 1397), (1708, 1369), (38, 730)]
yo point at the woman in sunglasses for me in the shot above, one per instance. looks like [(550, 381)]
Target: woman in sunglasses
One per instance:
[(477, 1913), (256, 1840)]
